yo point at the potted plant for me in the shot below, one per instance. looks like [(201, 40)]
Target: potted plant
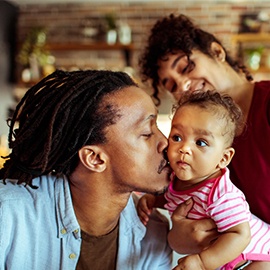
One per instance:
[(33, 54), (111, 34)]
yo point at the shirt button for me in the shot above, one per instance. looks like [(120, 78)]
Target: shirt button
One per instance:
[(76, 231), (72, 256), (63, 231)]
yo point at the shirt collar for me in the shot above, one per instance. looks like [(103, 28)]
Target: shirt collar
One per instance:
[(130, 218), (67, 221)]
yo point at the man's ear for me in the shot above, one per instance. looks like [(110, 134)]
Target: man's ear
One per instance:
[(93, 158), (227, 157), (218, 51)]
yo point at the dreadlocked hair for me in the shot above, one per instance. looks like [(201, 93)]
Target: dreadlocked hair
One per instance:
[(171, 35), (58, 116), (221, 105)]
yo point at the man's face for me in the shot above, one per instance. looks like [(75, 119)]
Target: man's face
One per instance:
[(135, 145)]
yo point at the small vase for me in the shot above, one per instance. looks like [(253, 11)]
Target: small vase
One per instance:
[(111, 36)]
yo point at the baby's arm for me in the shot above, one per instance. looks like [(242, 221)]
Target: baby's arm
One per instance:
[(146, 204), (227, 247)]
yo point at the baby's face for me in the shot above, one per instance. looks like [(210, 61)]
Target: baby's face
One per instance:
[(196, 143)]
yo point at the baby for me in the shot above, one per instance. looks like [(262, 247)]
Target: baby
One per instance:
[(200, 148)]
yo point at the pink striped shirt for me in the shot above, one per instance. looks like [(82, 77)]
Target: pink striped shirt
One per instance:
[(220, 200)]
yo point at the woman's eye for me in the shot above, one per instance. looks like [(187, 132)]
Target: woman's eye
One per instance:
[(201, 143), (174, 88), (189, 67)]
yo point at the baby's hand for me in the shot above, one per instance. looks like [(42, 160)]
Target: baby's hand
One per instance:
[(190, 262), (145, 207)]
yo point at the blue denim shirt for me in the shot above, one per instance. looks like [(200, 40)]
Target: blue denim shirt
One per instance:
[(39, 230)]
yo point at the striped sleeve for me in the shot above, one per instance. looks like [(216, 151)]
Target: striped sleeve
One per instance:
[(228, 207)]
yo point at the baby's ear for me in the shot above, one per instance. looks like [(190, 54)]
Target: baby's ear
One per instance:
[(93, 158), (227, 157)]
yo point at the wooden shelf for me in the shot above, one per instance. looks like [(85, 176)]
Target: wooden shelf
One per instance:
[(126, 49), (94, 46), (88, 46), (251, 37), (254, 41)]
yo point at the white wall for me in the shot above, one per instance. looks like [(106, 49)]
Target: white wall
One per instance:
[(5, 102)]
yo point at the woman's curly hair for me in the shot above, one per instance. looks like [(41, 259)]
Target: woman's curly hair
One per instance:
[(171, 35)]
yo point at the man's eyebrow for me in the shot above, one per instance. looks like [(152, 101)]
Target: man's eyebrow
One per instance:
[(144, 119), (174, 63), (151, 116)]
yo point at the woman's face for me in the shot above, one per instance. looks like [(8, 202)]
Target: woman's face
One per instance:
[(180, 73)]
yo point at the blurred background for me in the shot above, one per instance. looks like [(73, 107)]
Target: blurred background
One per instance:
[(38, 36)]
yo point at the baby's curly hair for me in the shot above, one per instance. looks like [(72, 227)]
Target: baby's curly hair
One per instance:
[(222, 106), (173, 34)]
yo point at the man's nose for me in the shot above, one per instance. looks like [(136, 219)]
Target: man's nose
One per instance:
[(162, 143)]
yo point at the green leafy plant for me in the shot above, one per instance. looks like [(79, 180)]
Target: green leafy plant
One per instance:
[(34, 45), (110, 21)]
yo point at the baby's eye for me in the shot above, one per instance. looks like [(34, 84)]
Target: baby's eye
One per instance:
[(176, 138), (201, 143)]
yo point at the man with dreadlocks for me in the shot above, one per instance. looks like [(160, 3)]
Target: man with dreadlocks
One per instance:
[(81, 143)]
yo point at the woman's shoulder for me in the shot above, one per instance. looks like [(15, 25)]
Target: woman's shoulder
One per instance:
[(261, 98), (262, 87)]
